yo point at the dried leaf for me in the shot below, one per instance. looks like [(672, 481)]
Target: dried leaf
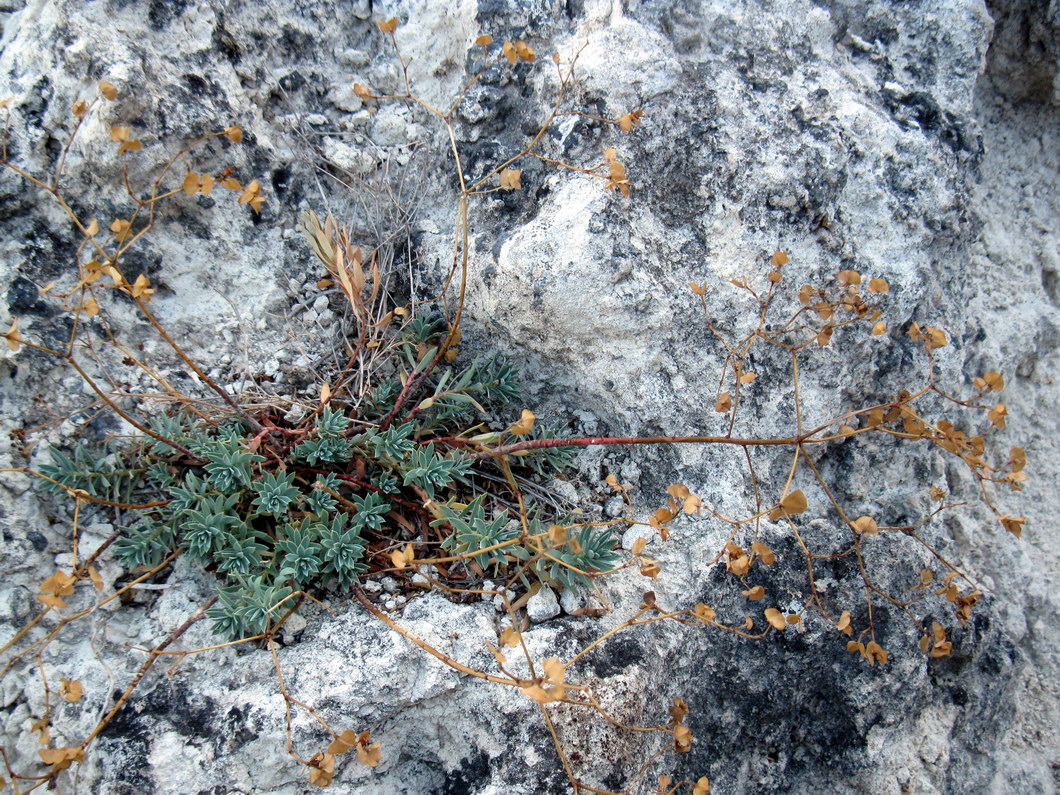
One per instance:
[(704, 613), (997, 416), (509, 52), (616, 174), (994, 380), (121, 229), (108, 89), (1014, 524), (935, 338), (141, 288), (755, 594), (319, 777), (368, 754), (724, 402), (510, 179), (555, 670), (510, 637), (779, 259), (59, 584), (678, 710), (250, 192), (866, 524), (71, 690), (739, 563), (775, 619), (524, 425), (628, 121), (849, 277), (61, 758), (538, 694), (14, 341), (682, 738), (879, 286), (764, 553), (874, 653), (389, 26), (677, 491), (234, 133), (402, 557), (485, 40), (843, 625), (702, 786), (343, 743), (792, 504), (322, 769), (940, 647), (879, 328), (525, 51)]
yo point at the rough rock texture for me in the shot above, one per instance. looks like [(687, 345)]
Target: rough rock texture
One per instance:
[(914, 141)]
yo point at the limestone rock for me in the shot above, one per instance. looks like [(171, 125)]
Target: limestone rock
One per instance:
[(918, 142)]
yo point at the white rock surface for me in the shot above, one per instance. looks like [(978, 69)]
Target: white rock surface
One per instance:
[(915, 141)]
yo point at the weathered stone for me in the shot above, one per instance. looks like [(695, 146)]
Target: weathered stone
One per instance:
[(916, 142)]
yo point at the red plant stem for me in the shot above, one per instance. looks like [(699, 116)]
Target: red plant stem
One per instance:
[(592, 441), (409, 389), (356, 481)]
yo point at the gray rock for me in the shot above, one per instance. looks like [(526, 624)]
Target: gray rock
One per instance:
[(543, 605), (389, 127), (615, 507), (571, 602)]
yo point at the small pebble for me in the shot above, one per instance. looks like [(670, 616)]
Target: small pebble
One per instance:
[(543, 605)]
